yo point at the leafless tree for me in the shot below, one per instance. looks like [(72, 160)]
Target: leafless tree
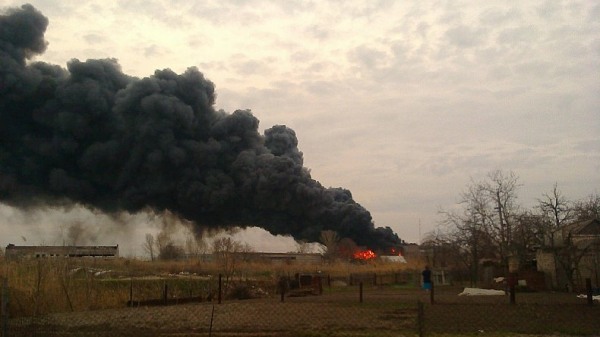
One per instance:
[(330, 240), (346, 248), (556, 208), (557, 212), (149, 246), (482, 228), (161, 240), (501, 187), (75, 233), (228, 254), (195, 246), (468, 230), (171, 251), (588, 208)]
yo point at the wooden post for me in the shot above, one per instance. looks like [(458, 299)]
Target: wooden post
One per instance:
[(212, 315), (282, 288), (360, 292), (165, 293), (220, 288), (420, 319), (588, 287), (4, 322), (512, 294), (512, 283), (431, 293), (320, 285), (131, 292)]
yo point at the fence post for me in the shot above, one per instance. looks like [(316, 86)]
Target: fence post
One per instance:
[(420, 319), (220, 288), (360, 292), (512, 294), (282, 288), (165, 293), (4, 307), (320, 285), (512, 283), (131, 292), (588, 288), (431, 293)]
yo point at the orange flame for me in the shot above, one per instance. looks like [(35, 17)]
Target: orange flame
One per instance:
[(396, 252), (364, 255)]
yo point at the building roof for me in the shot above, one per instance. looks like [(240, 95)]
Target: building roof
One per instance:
[(587, 227), (72, 251)]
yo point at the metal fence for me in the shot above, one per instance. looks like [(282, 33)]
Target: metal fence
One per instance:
[(314, 309)]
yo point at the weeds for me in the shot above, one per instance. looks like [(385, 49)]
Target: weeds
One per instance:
[(50, 285)]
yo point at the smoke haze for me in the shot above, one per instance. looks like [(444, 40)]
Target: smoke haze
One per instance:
[(93, 136)]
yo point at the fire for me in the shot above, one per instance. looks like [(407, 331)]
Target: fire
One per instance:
[(364, 255), (394, 251)]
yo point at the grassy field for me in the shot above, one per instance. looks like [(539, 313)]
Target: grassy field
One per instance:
[(45, 286), (385, 311), (64, 298)]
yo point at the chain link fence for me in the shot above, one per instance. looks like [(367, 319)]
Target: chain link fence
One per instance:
[(321, 306)]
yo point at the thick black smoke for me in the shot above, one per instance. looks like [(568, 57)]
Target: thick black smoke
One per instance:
[(94, 136)]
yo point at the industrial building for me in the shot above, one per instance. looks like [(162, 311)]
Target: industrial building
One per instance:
[(28, 252)]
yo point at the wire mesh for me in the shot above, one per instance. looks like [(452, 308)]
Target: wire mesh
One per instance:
[(192, 309)]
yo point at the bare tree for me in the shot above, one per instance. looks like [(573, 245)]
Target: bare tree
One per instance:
[(587, 209), (330, 240), (483, 227), (195, 246), (529, 233), (346, 248), (569, 254), (161, 240), (228, 253), (441, 249), (75, 233), (171, 251), (556, 208), (468, 231), (149, 246), (502, 188), (556, 212)]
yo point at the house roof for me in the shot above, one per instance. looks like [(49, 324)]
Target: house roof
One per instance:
[(588, 227)]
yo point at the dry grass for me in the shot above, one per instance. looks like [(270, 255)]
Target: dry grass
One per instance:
[(63, 297), (43, 286), (386, 311)]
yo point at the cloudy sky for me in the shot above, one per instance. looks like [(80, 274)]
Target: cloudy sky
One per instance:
[(401, 102)]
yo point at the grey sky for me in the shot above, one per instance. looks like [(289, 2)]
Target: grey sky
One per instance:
[(401, 102)]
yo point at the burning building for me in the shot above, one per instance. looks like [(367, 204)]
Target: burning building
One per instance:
[(91, 135)]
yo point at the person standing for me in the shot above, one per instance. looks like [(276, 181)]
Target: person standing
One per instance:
[(426, 275)]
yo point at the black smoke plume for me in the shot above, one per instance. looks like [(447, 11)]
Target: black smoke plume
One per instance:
[(91, 135)]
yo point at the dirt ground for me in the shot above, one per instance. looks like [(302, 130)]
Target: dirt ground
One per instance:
[(384, 311)]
